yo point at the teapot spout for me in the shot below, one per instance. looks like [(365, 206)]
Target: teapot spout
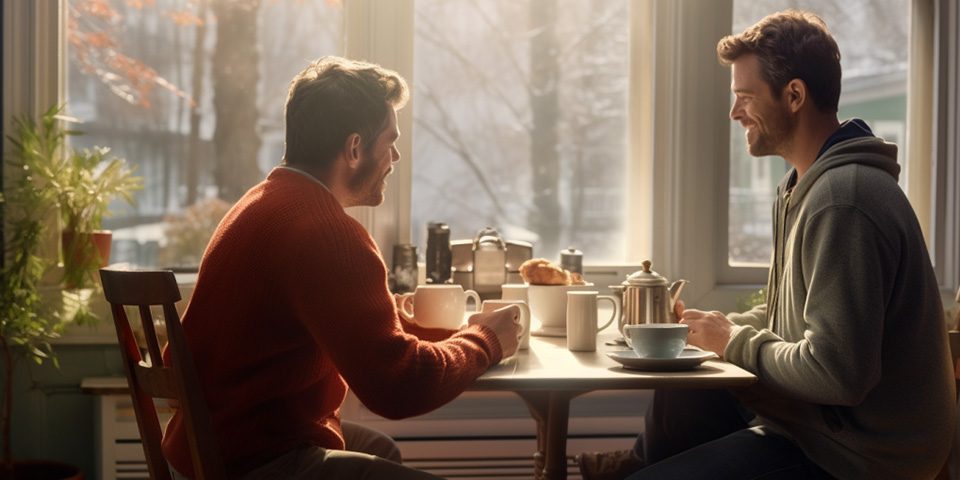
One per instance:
[(675, 289)]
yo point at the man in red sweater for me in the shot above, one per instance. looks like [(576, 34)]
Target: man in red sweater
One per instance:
[(291, 305)]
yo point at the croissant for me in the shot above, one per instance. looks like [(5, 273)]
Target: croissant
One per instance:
[(540, 271)]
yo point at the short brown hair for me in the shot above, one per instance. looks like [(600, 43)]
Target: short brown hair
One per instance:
[(334, 98), (791, 44)]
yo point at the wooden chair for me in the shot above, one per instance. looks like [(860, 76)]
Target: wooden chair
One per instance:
[(952, 468), (149, 378), (953, 462)]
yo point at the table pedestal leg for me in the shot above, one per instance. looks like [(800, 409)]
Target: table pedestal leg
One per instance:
[(551, 411)]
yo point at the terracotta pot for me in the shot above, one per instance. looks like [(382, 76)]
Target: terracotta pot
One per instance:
[(41, 470), (75, 249)]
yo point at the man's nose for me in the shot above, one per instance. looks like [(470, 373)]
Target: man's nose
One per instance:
[(735, 111)]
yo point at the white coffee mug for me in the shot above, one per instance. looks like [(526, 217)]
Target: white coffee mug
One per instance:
[(491, 305), (437, 306), (548, 304), (582, 319)]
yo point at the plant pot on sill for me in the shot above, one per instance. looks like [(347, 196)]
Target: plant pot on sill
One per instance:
[(41, 470), (77, 252)]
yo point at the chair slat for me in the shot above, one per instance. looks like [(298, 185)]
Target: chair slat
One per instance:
[(150, 333), (157, 382)]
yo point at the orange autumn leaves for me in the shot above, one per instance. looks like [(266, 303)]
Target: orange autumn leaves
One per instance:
[(92, 27)]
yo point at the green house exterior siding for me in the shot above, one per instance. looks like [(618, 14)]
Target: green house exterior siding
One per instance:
[(888, 108)]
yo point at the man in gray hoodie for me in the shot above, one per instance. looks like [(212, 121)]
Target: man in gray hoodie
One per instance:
[(850, 348)]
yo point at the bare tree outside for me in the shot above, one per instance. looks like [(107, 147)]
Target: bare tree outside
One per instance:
[(236, 75), (520, 121)]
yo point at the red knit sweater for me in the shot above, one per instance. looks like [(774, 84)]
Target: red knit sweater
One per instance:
[(291, 307)]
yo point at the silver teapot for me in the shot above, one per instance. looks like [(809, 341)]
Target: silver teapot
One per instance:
[(648, 297)]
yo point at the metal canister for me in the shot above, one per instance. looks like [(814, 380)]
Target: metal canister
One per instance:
[(438, 261), (571, 259), (404, 268)]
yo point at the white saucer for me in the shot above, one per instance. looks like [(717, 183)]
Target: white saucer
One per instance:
[(689, 358), (549, 332)]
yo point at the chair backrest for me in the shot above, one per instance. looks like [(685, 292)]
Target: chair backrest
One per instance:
[(954, 459), (149, 378)]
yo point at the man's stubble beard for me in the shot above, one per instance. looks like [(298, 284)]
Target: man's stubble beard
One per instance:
[(777, 139), (367, 183)]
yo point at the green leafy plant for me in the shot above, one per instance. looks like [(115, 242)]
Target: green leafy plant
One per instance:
[(26, 323), (752, 300), (83, 182), (86, 182)]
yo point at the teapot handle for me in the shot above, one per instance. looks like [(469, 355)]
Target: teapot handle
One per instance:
[(675, 289)]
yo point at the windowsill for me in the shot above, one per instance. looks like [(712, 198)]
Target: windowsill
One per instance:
[(723, 298), (102, 332)]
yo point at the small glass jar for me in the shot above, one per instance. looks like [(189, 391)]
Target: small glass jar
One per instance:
[(404, 272)]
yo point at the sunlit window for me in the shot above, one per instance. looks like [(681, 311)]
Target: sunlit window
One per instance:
[(520, 122), (192, 93), (873, 37)]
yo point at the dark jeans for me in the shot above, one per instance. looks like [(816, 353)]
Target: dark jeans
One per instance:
[(703, 434)]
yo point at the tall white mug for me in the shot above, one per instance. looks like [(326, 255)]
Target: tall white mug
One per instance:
[(582, 319), (437, 306), (491, 305)]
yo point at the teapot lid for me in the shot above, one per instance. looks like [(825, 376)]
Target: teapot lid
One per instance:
[(646, 277)]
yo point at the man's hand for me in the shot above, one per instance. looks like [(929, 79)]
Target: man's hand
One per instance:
[(505, 323), (708, 330)]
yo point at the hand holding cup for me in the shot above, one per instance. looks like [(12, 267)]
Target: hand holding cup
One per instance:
[(708, 330), (505, 323)]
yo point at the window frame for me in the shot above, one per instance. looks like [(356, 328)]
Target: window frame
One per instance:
[(678, 189)]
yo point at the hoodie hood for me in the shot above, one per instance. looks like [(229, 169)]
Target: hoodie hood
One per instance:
[(867, 151)]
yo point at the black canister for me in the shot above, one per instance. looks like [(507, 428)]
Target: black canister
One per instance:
[(438, 252), (404, 268), (571, 259)]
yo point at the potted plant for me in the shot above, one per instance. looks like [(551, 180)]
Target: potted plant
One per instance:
[(27, 324), (85, 182)]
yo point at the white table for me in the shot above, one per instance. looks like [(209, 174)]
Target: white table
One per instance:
[(548, 376)]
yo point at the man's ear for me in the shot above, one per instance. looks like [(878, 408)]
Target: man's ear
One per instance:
[(795, 93), (351, 150)]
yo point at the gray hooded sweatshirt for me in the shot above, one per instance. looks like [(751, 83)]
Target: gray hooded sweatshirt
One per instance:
[(851, 348)]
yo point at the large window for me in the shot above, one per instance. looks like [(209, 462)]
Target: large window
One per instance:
[(519, 117), (873, 36), (192, 93), (520, 122)]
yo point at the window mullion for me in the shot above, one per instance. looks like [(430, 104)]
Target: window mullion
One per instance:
[(691, 139), (382, 33)]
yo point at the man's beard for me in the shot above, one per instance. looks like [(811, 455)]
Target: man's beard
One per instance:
[(775, 139), (367, 182)]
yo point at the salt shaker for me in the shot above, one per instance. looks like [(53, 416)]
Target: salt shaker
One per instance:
[(571, 259)]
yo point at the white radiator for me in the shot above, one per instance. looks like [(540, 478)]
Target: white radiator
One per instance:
[(481, 435), (118, 449), (491, 434)]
